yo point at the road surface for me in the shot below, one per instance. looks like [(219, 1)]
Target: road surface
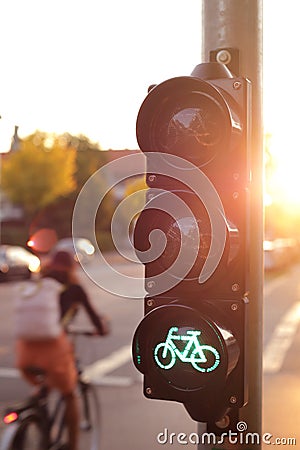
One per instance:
[(130, 421)]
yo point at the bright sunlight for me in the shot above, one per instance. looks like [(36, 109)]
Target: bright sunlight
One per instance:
[(282, 179)]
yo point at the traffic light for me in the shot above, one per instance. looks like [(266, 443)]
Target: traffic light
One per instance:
[(192, 237)]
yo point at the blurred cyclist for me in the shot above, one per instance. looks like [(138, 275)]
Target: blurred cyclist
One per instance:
[(55, 356)]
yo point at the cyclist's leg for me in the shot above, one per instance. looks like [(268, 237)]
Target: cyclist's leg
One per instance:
[(72, 419), (29, 377), (63, 377), (90, 423), (61, 374), (55, 357)]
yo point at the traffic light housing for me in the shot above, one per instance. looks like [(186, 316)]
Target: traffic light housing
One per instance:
[(193, 354), (192, 237)]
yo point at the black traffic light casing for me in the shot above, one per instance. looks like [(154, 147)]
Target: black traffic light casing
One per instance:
[(192, 237), (207, 395)]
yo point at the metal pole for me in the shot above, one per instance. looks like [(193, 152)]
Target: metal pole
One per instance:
[(238, 24)]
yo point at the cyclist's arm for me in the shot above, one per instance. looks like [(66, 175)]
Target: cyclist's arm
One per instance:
[(99, 321)]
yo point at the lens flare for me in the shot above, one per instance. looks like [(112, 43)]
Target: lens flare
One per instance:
[(42, 240)]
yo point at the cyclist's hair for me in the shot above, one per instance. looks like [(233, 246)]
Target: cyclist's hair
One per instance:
[(61, 268)]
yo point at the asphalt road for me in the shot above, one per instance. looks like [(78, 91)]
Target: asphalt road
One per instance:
[(131, 422)]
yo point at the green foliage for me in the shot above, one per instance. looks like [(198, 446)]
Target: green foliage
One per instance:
[(45, 177), (39, 173), (89, 157), (104, 240), (135, 194)]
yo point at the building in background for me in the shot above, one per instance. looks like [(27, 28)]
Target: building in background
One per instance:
[(8, 211)]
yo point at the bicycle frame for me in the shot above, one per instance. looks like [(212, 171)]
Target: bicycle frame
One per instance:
[(34, 409), (191, 338), (193, 352), (46, 413)]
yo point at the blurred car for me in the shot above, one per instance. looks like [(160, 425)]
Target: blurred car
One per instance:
[(81, 248), (17, 262)]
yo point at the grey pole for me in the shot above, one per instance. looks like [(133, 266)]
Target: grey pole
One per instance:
[(237, 24)]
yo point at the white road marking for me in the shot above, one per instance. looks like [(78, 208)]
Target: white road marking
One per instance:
[(281, 340), (113, 380), (7, 372), (95, 372), (108, 364)]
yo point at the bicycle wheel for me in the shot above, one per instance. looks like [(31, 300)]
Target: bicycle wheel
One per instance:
[(29, 435), (89, 407), (164, 356), (213, 359)]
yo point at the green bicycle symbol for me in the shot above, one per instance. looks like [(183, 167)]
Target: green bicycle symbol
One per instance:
[(166, 353)]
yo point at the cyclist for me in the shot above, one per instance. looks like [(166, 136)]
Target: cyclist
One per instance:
[(55, 356)]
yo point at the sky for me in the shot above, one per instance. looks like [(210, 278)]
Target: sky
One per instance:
[(85, 66)]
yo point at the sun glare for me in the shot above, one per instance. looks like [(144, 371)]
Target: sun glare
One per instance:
[(285, 183), (283, 179)]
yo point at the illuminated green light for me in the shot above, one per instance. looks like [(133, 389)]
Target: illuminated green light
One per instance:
[(166, 353)]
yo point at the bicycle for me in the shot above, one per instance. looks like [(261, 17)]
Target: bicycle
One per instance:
[(38, 423), (165, 353)]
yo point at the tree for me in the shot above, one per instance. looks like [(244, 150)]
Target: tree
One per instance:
[(139, 187), (135, 194), (40, 172), (90, 158)]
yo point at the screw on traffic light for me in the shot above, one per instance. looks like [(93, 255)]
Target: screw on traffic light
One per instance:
[(192, 237)]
